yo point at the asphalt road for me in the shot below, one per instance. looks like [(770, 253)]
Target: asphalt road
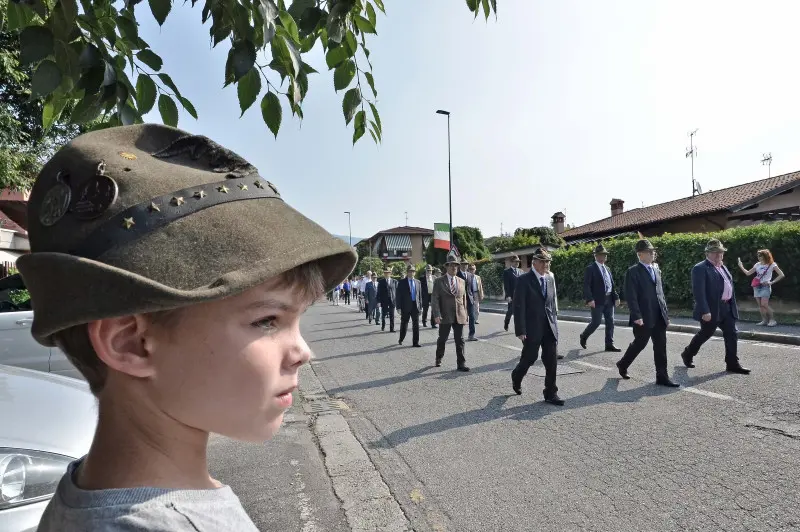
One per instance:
[(461, 452)]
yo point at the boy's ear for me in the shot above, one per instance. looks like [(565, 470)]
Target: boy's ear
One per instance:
[(121, 344)]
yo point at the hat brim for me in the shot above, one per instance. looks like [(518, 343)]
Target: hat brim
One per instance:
[(222, 251), (716, 250)]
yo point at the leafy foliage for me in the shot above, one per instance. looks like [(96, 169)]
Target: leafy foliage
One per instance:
[(362, 249), (372, 264), (80, 57), (492, 277), (678, 253), (468, 240), (398, 268)]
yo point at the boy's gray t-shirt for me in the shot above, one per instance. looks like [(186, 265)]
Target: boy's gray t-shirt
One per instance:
[(142, 509)]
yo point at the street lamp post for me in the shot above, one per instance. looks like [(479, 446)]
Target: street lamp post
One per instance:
[(449, 174), (349, 228)]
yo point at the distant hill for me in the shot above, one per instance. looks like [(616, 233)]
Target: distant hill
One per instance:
[(346, 238)]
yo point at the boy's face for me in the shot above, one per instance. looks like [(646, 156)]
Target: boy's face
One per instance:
[(230, 366)]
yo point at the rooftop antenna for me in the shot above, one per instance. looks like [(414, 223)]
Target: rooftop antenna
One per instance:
[(406, 218), (766, 160), (691, 152), (501, 228)]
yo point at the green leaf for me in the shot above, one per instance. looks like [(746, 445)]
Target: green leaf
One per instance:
[(166, 80), (17, 16), (290, 25), (373, 136), (87, 109), (160, 10), (376, 129), (371, 82), (92, 79), (308, 22), (220, 32), (299, 7), (109, 75), (494, 7), (90, 57), (68, 61), (336, 56), (46, 79), (63, 17), (248, 89), (268, 10), (350, 103), (271, 111), (241, 59), (295, 92), (150, 58), (360, 127), (344, 74), (187, 105), (350, 43), (36, 43), (145, 93), (294, 56), (472, 5), (365, 25), (486, 9), (168, 110), (308, 43), (128, 115), (128, 29), (52, 111), (379, 3), (376, 117), (371, 14)]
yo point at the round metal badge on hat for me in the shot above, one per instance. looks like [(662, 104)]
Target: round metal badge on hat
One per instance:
[(56, 202), (95, 195)]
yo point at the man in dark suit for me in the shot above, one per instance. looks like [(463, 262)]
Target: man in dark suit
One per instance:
[(649, 318), (714, 306), (471, 286), (449, 302), (510, 276), (601, 296), (427, 288), (387, 288), (409, 301), (536, 324), (371, 299)]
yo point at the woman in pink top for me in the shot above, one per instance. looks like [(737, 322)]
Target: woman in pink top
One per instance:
[(762, 283)]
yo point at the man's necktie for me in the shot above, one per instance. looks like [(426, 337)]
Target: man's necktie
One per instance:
[(413, 291), (453, 284), (652, 273), (544, 286)]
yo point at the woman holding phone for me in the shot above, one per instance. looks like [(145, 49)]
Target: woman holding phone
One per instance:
[(762, 283)]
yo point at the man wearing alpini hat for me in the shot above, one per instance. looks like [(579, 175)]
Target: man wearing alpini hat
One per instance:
[(714, 306), (173, 276), (426, 284), (449, 302), (510, 276), (601, 296)]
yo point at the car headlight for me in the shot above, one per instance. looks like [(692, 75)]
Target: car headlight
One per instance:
[(29, 476)]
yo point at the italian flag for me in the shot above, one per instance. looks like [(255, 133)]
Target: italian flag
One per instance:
[(441, 236)]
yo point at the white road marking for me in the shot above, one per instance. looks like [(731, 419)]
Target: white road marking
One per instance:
[(713, 395), (588, 365)]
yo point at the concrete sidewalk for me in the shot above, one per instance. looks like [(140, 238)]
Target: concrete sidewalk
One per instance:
[(780, 334)]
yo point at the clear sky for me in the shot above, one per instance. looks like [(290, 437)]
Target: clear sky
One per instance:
[(556, 105)]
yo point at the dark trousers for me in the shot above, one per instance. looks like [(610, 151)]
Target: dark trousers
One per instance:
[(414, 317), (641, 335), (602, 311), (347, 297), (728, 326), (471, 312), (458, 337), (387, 310), (530, 352), (425, 306), (376, 313), (509, 313)]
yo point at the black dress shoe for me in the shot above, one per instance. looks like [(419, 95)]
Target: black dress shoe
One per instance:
[(738, 369), (613, 349), (400, 342), (583, 342), (517, 387), (438, 362), (462, 368), (623, 372), (687, 360), (434, 327), (669, 383), (554, 400), (416, 345), (383, 327), (391, 330), (559, 357), (505, 327)]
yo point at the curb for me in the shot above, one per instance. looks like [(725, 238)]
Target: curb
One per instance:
[(691, 329)]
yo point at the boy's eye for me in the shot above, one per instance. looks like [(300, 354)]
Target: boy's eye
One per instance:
[(266, 323)]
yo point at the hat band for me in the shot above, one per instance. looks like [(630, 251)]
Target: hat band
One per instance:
[(151, 215)]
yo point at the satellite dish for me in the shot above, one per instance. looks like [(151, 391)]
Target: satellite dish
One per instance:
[(698, 188)]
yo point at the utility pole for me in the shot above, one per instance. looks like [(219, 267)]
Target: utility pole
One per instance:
[(501, 228), (449, 173), (691, 152), (349, 228), (406, 218), (766, 160)]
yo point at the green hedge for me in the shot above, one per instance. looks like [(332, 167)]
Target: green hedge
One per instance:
[(677, 253), (492, 277)]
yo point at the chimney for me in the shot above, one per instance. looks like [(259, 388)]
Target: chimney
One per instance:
[(558, 222), (616, 207)]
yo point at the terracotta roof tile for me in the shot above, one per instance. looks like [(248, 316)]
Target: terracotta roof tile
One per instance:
[(715, 201), (8, 223)]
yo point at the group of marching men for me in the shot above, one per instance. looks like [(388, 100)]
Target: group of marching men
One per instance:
[(533, 302)]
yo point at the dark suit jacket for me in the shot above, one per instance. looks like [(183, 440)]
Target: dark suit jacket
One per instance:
[(532, 312), (404, 302), (426, 296), (644, 297), (707, 287), (386, 291), (510, 276), (371, 296), (594, 288), (468, 279)]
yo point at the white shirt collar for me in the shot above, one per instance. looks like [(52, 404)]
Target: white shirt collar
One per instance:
[(538, 276), (600, 265)]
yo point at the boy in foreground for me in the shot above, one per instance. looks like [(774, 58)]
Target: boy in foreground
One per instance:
[(174, 277)]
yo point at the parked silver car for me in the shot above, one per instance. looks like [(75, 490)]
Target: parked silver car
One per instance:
[(47, 422), (17, 346)]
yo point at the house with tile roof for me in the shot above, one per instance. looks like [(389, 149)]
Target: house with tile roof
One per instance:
[(767, 200), (403, 243)]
